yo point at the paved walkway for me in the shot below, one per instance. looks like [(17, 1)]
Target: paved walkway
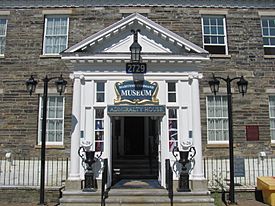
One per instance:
[(240, 203)]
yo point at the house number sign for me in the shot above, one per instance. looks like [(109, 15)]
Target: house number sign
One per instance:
[(140, 68)]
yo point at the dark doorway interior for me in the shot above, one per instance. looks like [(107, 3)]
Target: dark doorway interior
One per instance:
[(134, 135)]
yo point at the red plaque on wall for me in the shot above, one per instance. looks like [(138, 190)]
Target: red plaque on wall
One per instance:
[(252, 132)]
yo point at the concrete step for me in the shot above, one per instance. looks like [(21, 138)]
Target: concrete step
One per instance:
[(125, 197)]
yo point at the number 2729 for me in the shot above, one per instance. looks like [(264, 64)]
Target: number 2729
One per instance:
[(136, 68)]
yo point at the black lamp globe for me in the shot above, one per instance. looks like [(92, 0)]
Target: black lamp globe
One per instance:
[(135, 48), (31, 85), (60, 85), (242, 85), (214, 85)]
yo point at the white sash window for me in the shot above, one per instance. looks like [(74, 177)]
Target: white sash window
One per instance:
[(3, 33), (55, 120), (217, 119), (56, 34), (272, 117), (268, 32)]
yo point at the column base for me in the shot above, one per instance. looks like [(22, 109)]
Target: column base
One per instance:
[(199, 185), (72, 185)]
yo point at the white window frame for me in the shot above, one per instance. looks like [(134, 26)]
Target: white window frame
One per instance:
[(172, 92), (272, 107), (216, 118), (99, 130), (168, 127), (269, 36), (40, 121), (45, 31), (224, 35), (4, 36), (100, 92)]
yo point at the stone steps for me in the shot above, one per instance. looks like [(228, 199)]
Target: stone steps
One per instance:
[(140, 197)]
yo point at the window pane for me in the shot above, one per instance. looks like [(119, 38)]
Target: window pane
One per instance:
[(171, 86), (172, 113), (207, 39), (264, 23), (220, 21), (99, 124), (99, 113), (213, 21), (213, 30), (214, 40), (100, 86), (171, 97), (272, 41), (100, 97), (205, 21), (221, 40), (271, 22), (206, 30)]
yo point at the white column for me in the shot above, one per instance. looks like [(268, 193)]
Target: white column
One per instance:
[(75, 136), (196, 127)]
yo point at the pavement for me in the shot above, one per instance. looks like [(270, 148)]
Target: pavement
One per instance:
[(239, 203)]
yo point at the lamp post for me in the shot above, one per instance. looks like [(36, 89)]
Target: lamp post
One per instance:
[(242, 86), (135, 48), (31, 86)]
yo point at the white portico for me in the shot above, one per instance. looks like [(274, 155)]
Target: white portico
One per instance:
[(128, 115)]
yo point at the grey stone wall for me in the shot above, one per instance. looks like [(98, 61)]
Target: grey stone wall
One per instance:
[(19, 111)]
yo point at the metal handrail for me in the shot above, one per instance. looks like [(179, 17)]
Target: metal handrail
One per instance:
[(169, 180), (104, 191)]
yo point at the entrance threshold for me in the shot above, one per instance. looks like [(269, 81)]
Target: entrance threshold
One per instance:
[(137, 184)]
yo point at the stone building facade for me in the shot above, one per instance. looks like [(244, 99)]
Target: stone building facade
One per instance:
[(23, 56)]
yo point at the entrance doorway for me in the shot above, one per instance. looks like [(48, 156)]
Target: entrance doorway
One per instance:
[(134, 135), (135, 148)]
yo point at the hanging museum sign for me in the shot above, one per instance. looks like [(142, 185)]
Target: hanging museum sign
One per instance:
[(136, 92)]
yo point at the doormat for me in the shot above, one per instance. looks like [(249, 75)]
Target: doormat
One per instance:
[(137, 184)]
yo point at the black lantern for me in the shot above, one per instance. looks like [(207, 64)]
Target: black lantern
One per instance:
[(60, 85), (242, 85), (135, 48), (214, 85), (31, 85)]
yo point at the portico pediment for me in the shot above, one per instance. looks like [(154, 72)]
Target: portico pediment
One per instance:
[(113, 43)]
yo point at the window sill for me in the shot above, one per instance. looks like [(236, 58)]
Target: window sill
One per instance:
[(272, 144), (46, 56), (2, 56), (217, 146), (50, 147), (224, 56), (269, 57)]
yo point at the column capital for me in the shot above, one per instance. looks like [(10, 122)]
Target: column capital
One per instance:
[(195, 76), (77, 76)]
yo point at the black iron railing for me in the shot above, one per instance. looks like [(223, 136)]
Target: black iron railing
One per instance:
[(169, 180), (104, 191), (25, 171)]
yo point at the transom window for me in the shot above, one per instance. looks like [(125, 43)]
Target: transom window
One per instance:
[(268, 32), (173, 128), (99, 129), (217, 119), (172, 94), (56, 34), (100, 91), (272, 117), (55, 120), (214, 34), (3, 33)]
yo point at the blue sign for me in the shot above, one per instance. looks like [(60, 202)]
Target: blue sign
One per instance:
[(157, 110), (136, 92)]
